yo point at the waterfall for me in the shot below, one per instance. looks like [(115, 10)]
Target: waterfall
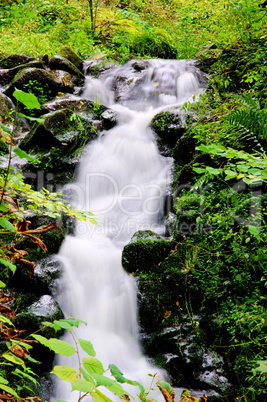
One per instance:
[(123, 180)]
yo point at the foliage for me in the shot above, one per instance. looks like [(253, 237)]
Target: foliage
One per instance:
[(90, 373)]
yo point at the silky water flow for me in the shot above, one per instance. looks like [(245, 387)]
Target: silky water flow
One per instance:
[(123, 181)]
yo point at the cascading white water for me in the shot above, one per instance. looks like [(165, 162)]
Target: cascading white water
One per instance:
[(123, 180)]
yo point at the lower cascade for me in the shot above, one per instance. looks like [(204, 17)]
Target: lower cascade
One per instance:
[(123, 180)]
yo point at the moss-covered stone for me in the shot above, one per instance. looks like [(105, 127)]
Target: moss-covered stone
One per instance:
[(145, 250), (168, 128), (13, 60), (6, 76), (69, 54), (5, 107), (61, 63), (54, 81), (60, 134), (44, 309)]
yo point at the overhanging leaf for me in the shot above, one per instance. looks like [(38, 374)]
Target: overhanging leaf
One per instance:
[(56, 345), (7, 225), (112, 385), (82, 385), (39, 120), (99, 397), (87, 347), (93, 365), (27, 99), (21, 154), (65, 373), (8, 264), (9, 390)]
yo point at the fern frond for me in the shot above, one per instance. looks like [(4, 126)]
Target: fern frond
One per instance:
[(247, 100)]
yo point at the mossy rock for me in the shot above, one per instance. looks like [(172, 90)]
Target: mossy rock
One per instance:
[(184, 149), (61, 63), (6, 76), (60, 134), (43, 78), (69, 54), (44, 309), (5, 107), (168, 128), (145, 250), (13, 60)]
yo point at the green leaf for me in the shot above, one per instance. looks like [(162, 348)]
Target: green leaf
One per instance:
[(21, 154), (115, 371), (8, 264), (82, 385), (93, 365), (56, 345), (65, 373), (87, 347), (74, 322), (2, 284), (60, 400), (9, 390), (6, 224), (230, 173), (63, 324), (27, 99), (3, 208), (112, 385), (39, 120), (86, 376), (22, 374), (262, 366), (254, 230), (12, 358), (199, 170), (6, 320), (3, 380), (99, 397), (212, 170)]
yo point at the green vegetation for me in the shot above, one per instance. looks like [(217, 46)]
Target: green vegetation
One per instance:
[(129, 28), (221, 218)]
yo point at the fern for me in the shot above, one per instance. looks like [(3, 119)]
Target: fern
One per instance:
[(249, 122)]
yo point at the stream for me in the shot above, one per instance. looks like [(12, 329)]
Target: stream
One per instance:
[(122, 179)]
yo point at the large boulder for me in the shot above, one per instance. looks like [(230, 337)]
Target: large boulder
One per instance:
[(69, 54), (7, 75), (13, 60), (145, 250), (61, 63), (32, 318), (168, 127), (60, 130), (59, 81)]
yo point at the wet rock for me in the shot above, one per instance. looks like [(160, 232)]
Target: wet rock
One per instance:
[(6, 76), (168, 128), (61, 63), (46, 272), (59, 130), (182, 351), (44, 309), (145, 250), (184, 149), (69, 54), (5, 107), (109, 119), (13, 60), (56, 81)]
